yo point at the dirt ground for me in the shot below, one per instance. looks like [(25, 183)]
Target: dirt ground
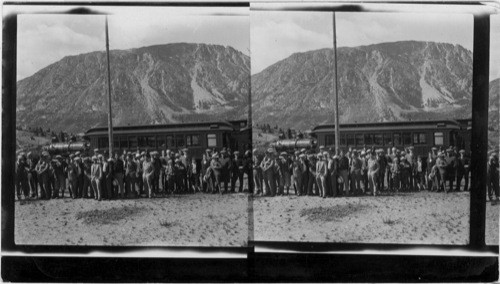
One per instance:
[(180, 220), (404, 218)]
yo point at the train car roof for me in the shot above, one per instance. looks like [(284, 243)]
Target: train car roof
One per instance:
[(380, 126), (158, 128)]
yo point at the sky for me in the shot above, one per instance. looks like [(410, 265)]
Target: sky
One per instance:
[(275, 35), (46, 38)]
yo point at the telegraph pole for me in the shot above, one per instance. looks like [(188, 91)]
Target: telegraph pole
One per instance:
[(335, 92), (110, 116)]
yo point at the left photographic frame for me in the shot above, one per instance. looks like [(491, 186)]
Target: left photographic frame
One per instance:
[(174, 174)]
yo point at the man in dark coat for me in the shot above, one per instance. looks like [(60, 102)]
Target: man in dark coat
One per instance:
[(463, 164)]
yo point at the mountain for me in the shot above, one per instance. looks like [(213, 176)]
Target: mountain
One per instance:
[(381, 82), (169, 83)]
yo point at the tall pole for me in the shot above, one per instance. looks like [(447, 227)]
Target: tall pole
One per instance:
[(335, 92), (110, 116)]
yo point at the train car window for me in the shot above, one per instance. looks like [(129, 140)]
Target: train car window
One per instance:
[(397, 139), (360, 141), (388, 139), (160, 141), (170, 141), (368, 139), (378, 139), (179, 141), (102, 142), (151, 141), (329, 140), (350, 139), (406, 138), (116, 142), (342, 140), (419, 138), (193, 140), (141, 142), (211, 140), (132, 142), (438, 138)]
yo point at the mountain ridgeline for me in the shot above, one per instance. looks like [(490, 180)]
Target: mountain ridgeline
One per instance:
[(407, 80), (170, 83)]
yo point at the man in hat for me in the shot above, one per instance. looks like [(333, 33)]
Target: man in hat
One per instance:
[(452, 168), (286, 169), (431, 162), (21, 180), (237, 172), (130, 176), (321, 173), (205, 164), (312, 186), (147, 175), (59, 171), (297, 173), (355, 169), (411, 159), (279, 166), (268, 168), (119, 172), (72, 171), (257, 172), (463, 164), (364, 169), (185, 158), (87, 182), (442, 167), (216, 170), (225, 162), (333, 168), (492, 177), (42, 170), (373, 169), (139, 182), (96, 177), (32, 176), (382, 161), (344, 172)]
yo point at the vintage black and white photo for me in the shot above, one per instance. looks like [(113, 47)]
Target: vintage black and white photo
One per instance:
[(176, 172), (401, 171)]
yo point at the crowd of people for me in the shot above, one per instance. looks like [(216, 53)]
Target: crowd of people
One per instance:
[(130, 174), (359, 172), (150, 174)]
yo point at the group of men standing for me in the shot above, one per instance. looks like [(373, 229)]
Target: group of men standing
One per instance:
[(130, 174), (358, 172)]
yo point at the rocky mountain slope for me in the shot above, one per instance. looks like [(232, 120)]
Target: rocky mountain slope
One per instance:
[(380, 82), (157, 84)]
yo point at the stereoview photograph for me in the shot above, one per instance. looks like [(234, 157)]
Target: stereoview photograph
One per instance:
[(142, 143), (362, 128)]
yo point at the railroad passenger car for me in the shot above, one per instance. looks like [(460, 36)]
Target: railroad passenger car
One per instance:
[(422, 135), (196, 136)]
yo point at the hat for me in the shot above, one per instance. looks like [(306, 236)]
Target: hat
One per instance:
[(110, 160), (143, 153), (215, 156), (411, 148), (185, 150), (321, 147), (281, 157), (302, 156), (177, 160), (58, 157), (94, 158), (248, 152), (207, 150), (137, 155), (71, 156), (254, 150), (434, 149), (462, 151), (100, 156), (363, 153), (77, 153), (320, 155), (177, 155), (77, 158), (269, 150), (96, 150), (394, 148), (223, 151), (325, 153), (303, 150), (297, 152), (368, 151), (236, 153), (336, 157)]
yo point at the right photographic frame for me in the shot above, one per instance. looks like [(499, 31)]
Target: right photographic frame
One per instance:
[(395, 164)]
